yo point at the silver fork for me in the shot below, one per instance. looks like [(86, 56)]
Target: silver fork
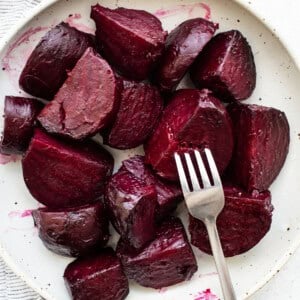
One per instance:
[(205, 204)]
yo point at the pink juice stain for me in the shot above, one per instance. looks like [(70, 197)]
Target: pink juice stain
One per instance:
[(71, 20), (20, 214), (162, 290), (5, 159), (206, 295)]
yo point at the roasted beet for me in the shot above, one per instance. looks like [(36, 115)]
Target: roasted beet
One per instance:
[(226, 66), (167, 260), (55, 55), (140, 108), (96, 277), (72, 231), (244, 221), (192, 120), (59, 175), (132, 204), (87, 100), (168, 194), (19, 120), (183, 45), (131, 40)]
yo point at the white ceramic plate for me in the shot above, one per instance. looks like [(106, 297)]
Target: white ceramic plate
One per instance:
[(277, 86)]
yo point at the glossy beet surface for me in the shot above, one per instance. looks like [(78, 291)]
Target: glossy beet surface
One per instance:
[(87, 100), (262, 142), (55, 55), (59, 175), (192, 120), (168, 194), (244, 221), (19, 120), (131, 40), (183, 45), (73, 231), (132, 205), (226, 66), (140, 108), (167, 260), (97, 277)]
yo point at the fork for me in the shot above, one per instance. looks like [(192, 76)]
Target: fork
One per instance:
[(205, 204)]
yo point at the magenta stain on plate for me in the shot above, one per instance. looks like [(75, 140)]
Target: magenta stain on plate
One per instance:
[(71, 20), (5, 159), (206, 295), (162, 290), (20, 214), (208, 274)]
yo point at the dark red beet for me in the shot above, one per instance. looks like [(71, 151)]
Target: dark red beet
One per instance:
[(55, 55), (132, 204), (73, 231), (167, 260), (97, 277), (140, 108), (244, 221), (192, 120), (87, 100), (226, 66), (61, 175), (19, 120), (131, 40), (183, 45)]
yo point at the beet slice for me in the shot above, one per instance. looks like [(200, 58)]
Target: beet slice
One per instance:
[(262, 138), (19, 121), (87, 100), (132, 203), (60, 175), (95, 277), (168, 194), (243, 222), (192, 120), (131, 40), (140, 108), (55, 55), (226, 66), (167, 260), (72, 231), (183, 45)]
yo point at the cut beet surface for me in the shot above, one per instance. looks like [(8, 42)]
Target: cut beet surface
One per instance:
[(19, 121), (87, 100), (96, 277), (226, 66), (60, 175), (183, 45), (55, 55), (262, 139), (131, 40), (244, 221), (74, 231), (140, 108), (192, 120), (166, 261)]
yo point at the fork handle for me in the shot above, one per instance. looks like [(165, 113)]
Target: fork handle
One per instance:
[(224, 276)]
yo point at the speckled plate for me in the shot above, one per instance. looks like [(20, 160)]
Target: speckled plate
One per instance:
[(277, 86)]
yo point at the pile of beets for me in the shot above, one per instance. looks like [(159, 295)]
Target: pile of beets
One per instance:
[(96, 84)]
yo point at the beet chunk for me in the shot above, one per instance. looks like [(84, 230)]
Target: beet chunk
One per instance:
[(19, 120), (55, 55), (86, 102), (192, 120), (60, 175), (261, 146), (132, 204), (183, 45), (131, 40), (226, 66), (243, 222), (97, 277), (73, 231), (140, 108), (168, 260)]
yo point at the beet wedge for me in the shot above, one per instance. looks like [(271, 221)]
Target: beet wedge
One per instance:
[(86, 102), (61, 175)]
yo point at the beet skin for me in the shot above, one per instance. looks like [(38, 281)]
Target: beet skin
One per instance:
[(61, 175), (51, 60)]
